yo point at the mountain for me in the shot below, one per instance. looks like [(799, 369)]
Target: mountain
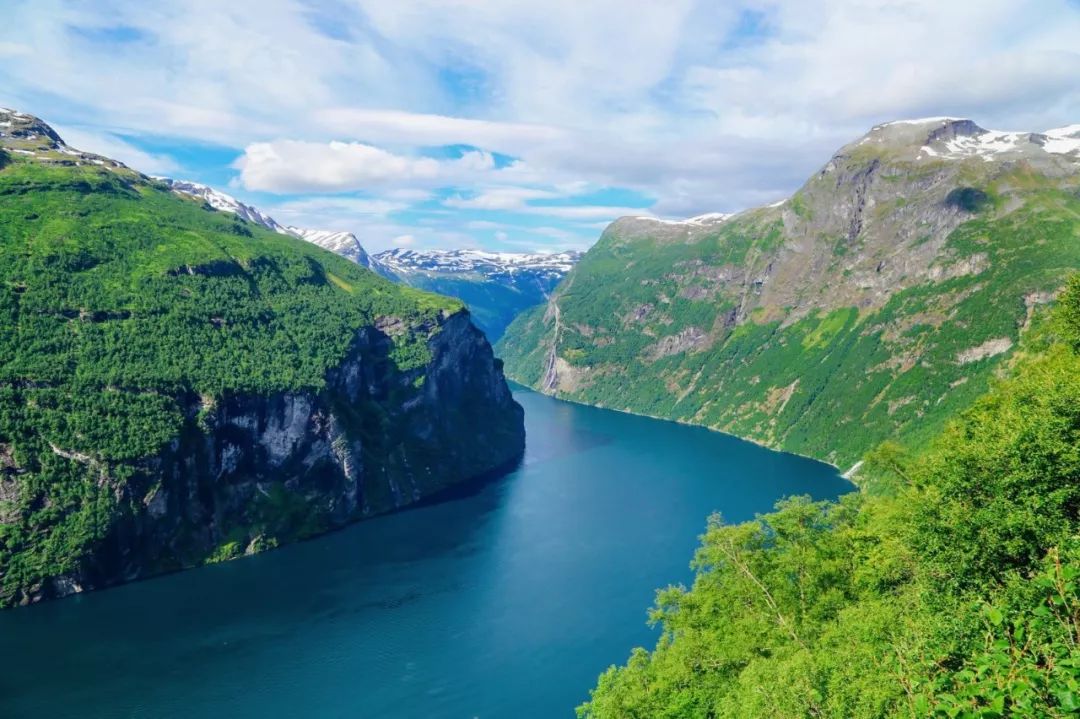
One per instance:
[(497, 286), (224, 203), (345, 244), (947, 589), (877, 301), (180, 385)]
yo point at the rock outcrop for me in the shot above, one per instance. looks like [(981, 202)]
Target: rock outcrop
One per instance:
[(249, 472), (180, 383)]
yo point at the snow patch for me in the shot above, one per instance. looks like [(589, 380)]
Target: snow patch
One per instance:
[(223, 203), (710, 218), (476, 261)]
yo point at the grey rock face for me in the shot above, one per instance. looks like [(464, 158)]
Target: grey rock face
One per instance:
[(250, 472)]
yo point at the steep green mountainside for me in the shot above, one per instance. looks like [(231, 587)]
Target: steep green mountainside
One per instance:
[(178, 385), (876, 302), (949, 588)]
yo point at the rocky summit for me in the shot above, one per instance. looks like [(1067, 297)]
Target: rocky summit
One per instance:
[(181, 385), (876, 301)]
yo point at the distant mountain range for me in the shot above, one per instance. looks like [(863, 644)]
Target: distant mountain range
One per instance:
[(496, 286)]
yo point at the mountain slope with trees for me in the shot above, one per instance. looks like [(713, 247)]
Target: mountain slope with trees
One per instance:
[(878, 301), (179, 385), (949, 587)]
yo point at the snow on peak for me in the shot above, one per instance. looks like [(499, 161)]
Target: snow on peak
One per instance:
[(1063, 140), (345, 244), (997, 144), (406, 261), (953, 138), (710, 218), (223, 203)]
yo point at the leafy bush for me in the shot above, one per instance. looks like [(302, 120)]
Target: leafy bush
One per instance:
[(950, 589)]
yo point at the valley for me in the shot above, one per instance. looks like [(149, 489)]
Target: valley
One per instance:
[(666, 361), (496, 286)]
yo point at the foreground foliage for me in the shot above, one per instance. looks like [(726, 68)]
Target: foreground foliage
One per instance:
[(949, 587)]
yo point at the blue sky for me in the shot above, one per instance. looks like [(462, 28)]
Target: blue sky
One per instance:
[(520, 125)]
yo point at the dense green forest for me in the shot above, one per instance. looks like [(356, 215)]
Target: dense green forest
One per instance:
[(122, 306), (947, 587)]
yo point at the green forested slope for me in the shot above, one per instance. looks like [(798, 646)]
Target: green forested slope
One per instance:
[(131, 318), (875, 303), (949, 587)]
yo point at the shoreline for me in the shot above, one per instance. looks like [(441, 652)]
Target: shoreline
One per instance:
[(845, 475)]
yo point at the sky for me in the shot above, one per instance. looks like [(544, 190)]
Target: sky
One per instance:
[(520, 126)]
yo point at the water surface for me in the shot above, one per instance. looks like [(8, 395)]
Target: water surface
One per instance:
[(504, 603)]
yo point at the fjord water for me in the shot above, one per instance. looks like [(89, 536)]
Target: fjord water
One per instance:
[(507, 601)]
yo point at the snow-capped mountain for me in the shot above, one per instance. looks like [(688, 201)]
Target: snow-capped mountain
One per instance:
[(495, 285), (345, 244), (937, 138), (488, 264), (225, 203)]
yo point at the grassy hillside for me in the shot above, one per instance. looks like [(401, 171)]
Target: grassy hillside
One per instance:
[(877, 302), (951, 587), (121, 307)]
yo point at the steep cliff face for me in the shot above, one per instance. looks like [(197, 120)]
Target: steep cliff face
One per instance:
[(875, 302), (178, 385), (249, 472)]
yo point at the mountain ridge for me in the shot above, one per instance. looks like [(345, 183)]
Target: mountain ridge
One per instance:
[(180, 386), (495, 285), (869, 277)]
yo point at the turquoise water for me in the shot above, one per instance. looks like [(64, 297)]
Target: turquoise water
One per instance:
[(506, 602)]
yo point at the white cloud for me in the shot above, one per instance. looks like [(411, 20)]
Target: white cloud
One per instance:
[(584, 212), (296, 166), (396, 127), (363, 216), (702, 105), (500, 198), (11, 49), (404, 240)]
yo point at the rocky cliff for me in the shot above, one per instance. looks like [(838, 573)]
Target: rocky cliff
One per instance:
[(179, 385), (247, 472), (875, 302)]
